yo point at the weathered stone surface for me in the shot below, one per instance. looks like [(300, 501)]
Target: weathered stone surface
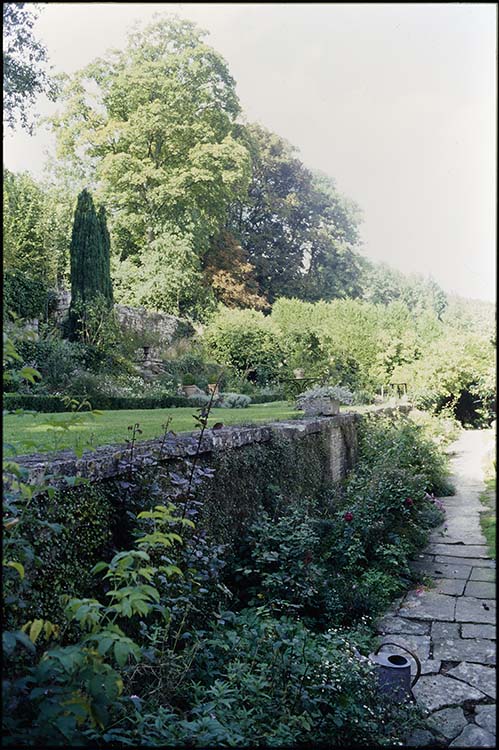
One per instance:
[(439, 691), (428, 606), (469, 630), (420, 738), (450, 586), (430, 666), (399, 625), (469, 609), (480, 589), (485, 716), (473, 736), (483, 574), (418, 644), (442, 570), (471, 561), (448, 721), (443, 631), (459, 550), (466, 650), (483, 678)]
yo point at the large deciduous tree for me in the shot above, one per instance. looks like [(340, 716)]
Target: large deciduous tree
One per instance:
[(297, 230), (152, 126)]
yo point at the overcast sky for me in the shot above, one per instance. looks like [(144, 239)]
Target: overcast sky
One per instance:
[(397, 102)]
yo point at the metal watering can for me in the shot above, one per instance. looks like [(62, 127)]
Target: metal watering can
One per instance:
[(394, 672)]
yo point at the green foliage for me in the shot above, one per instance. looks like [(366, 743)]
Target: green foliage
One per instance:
[(50, 404), (24, 58), (84, 518), (24, 248), (25, 297), (233, 401), (291, 220), (156, 135), (57, 360), (90, 266), (165, 275), (245, 341)]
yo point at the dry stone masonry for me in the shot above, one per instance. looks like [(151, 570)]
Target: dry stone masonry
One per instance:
[(108, 462)]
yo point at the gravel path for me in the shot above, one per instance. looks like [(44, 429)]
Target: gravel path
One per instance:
[(451, 626)]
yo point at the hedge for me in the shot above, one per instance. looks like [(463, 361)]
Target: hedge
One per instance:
[(13, 401), (267, 398), (51, 404)]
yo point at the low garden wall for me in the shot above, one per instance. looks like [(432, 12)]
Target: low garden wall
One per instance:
[(255, 467)]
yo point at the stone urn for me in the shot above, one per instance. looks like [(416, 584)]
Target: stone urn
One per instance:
[(316, 407)]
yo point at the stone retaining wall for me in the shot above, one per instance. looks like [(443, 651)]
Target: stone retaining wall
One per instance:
[(109, 462)]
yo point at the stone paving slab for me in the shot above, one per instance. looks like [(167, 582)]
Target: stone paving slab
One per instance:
[(399, 625), (442, 631), (483, 574), (428, 606), (459, 612), (419, 644), (442, 570), (439, 691), (485, 716), (480, 589), (473, 736), (459, 550), (448, 721), (468, 630), (450, 586), (471, 561), (469, 609), (465, 649), (483, 678)]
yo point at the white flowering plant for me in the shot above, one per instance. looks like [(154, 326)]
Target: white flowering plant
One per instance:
[(334, 392)]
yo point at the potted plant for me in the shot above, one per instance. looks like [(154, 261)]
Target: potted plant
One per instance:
[(325, 400)]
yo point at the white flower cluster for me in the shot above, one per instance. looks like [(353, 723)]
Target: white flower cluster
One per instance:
[(336, 392)]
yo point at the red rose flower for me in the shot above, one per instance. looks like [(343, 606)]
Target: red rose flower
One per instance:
[(348, 516), (408, 502)]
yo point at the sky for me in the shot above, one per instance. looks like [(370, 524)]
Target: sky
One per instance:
[(396, 102)]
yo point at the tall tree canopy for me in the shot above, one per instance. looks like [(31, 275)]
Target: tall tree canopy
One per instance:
[(24, 58), (296, 229), (152, 125)]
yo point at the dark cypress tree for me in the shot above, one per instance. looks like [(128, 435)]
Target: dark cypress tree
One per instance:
[(107, 286), (90, 261)]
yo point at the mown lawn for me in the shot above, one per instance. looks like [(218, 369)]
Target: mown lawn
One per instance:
[(31, 432)]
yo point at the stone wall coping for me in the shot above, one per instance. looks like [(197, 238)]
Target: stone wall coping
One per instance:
[(108, 461)]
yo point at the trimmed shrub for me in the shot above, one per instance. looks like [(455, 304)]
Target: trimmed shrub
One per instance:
[(49, 404)]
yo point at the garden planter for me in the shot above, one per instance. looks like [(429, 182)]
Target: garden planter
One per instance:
[(321, 406)]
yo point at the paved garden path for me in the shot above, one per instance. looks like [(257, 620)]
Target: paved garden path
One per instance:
[(451, 625)]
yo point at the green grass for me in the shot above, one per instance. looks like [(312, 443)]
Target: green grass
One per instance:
[(488, 517), (30, 432)]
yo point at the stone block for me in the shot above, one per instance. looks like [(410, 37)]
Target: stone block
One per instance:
[(428, 606), (473, 736), (483, 678), (480, 589), (448, 721), (469, 609), (434, 692)]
